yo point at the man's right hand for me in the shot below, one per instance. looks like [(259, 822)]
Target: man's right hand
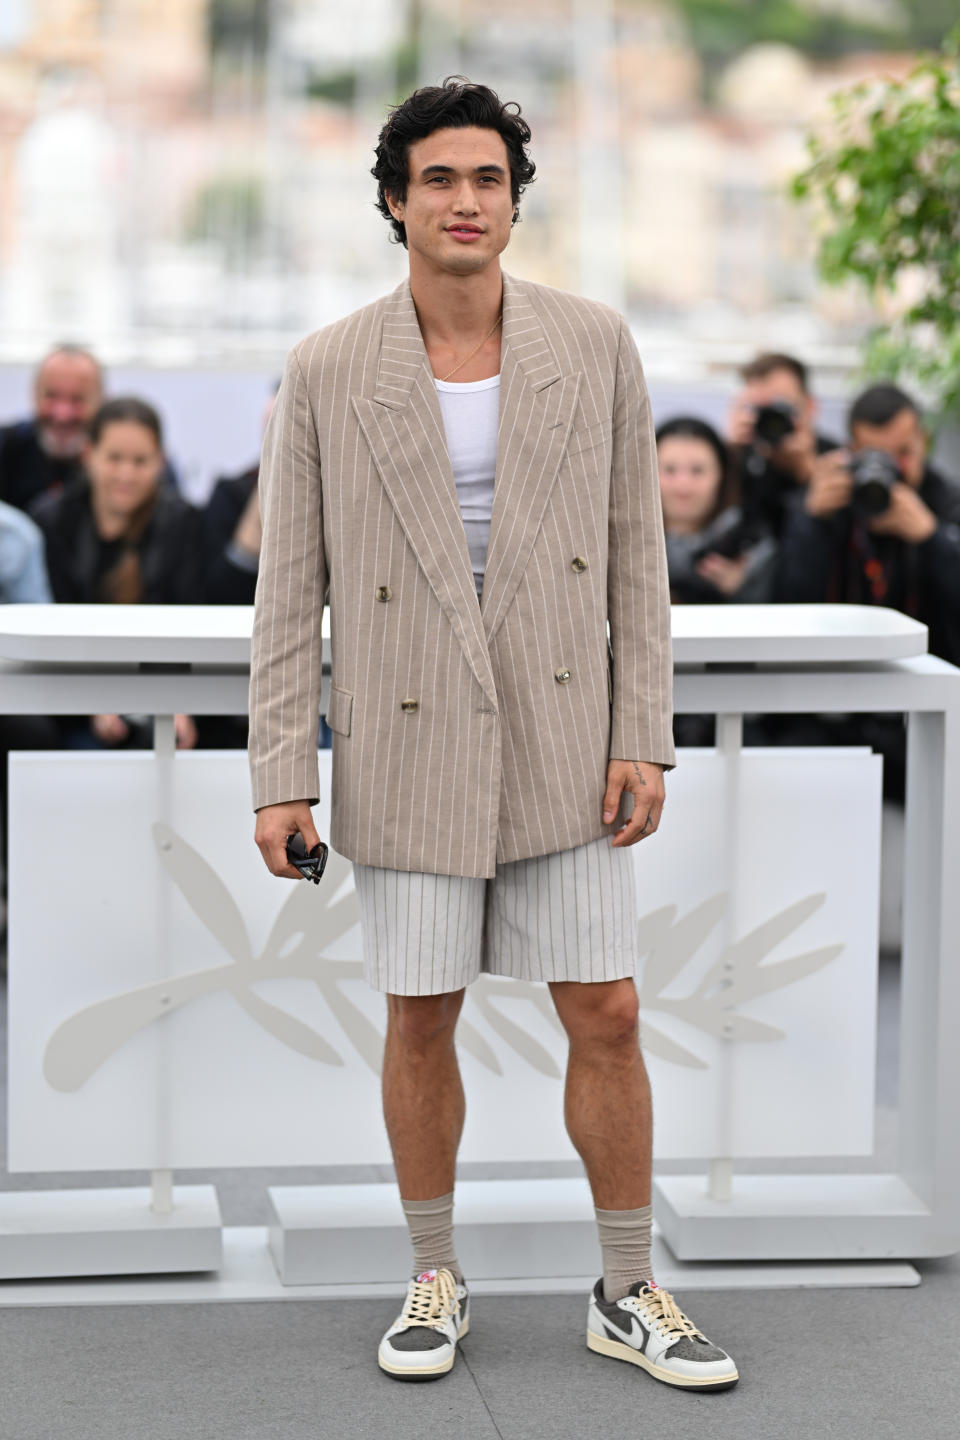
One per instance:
[(831, 484), (274, 824)]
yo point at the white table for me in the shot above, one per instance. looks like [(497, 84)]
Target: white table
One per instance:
[(729, 661)]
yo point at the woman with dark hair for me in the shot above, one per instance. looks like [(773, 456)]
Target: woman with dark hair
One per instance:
[(119, 536), (715, 552)]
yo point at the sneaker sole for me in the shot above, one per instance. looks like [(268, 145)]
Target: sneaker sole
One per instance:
[(603, 1346), (424, 1372)]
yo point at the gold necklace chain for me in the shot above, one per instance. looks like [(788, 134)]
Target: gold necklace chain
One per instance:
[(483, 342)]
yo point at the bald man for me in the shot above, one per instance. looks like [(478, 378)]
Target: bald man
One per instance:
[(43, 453)]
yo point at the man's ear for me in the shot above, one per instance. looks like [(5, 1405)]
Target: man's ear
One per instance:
[(393, 204)]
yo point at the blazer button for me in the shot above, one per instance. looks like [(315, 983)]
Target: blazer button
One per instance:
[(561, 676), (409, 706), (578, 563), (384, 592)]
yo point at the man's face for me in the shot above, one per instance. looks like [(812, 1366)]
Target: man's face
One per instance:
[(67, 394), (458, 209), (903, 438), (781, 386)]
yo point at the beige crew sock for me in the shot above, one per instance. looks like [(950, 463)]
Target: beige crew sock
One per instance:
[(625, 1243), (430, 1223)]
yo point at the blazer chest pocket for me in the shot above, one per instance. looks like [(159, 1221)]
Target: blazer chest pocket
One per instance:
[(340, 710)]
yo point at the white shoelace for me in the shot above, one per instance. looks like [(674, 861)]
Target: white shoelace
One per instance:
[(659, 1309), (430, 1302)]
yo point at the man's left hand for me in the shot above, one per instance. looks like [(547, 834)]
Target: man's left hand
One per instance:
[(907, 516), (644, 780)]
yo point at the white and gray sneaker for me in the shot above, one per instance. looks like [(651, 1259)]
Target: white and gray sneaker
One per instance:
[(649, 1329), (422, 1342)]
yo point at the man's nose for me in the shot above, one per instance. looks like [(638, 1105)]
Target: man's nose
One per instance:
[(466, 197)]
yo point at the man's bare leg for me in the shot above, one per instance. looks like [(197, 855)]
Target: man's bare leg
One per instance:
[(423, 1107), (423, 1103), (607, 1104), (608, 1112)]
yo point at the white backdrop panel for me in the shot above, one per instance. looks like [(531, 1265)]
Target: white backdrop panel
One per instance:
[(248, 1037)]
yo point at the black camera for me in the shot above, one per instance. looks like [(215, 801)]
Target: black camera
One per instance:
[(774, 422), (730, 535), (874, 474)]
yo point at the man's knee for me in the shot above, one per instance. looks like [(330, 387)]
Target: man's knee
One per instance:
[(423, 1022), (605, 1014)]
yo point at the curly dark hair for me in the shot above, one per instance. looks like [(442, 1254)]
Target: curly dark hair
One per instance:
[(455, 104)]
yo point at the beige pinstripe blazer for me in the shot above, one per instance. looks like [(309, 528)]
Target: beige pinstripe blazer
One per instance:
[(464, 733)]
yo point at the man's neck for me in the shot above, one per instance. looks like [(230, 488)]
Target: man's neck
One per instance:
[(452, 309)]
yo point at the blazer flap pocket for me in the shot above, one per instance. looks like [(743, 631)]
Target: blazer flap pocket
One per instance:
[(340, 710), (587, 436)]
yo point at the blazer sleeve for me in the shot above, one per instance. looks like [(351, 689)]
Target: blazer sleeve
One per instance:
[(638, 595), (287, 651)]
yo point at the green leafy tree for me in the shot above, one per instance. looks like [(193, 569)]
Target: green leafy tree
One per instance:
[(887, 183)]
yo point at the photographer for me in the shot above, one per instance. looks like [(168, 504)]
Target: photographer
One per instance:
[(878, 525), (715, 553), (771, 434)]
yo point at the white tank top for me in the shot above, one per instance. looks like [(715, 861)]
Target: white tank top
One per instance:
[(470, 413)]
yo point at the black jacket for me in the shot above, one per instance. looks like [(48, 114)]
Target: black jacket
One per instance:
[(26, 471), (170, 549), (231, 576), (834, 558), (689, 587)]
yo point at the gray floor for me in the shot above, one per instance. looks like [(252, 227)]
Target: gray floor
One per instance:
[(851, 1364), (860, 1365)]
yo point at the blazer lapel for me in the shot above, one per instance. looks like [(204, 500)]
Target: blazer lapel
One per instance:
[(403, 427), (537, 405)]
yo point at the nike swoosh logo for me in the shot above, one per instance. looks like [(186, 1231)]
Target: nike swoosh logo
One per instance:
[(637, 1337)]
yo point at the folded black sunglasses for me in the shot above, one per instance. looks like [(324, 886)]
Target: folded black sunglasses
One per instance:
[(311, 866)]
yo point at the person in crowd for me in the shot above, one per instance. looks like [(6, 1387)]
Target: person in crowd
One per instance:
[(771, 431), (875, 533), (232, 534), (715, 553), (118, 535), (44, 453), (878, 526), (23, 567), (23, 581)]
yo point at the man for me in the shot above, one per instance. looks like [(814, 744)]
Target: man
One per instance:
[(906, 555), (771, 429), (482, 745), (42, 454)]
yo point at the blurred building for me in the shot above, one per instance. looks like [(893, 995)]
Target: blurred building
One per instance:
[(166, 195)]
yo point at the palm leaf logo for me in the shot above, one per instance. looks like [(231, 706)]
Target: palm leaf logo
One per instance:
[(304, 930), (738, 976)]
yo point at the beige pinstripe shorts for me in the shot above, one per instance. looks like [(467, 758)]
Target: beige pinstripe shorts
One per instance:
[(566, 916)]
